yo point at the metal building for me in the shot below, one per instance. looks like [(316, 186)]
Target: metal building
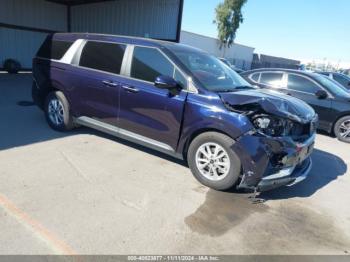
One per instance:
[(267, 61), (25, 23), (239, 55)]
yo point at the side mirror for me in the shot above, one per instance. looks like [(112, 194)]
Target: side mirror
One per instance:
[(166, 82), (321, 94)]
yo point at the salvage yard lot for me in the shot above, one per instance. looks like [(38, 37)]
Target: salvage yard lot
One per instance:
[(87, 193)]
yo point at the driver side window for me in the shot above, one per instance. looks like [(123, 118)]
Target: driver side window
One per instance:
[(149, 63), (302, 84)]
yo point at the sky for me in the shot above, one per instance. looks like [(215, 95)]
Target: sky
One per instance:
[(298, 29)]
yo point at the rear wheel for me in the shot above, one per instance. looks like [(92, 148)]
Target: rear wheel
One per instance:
[(57, 112), (342, 129), (213, 162)]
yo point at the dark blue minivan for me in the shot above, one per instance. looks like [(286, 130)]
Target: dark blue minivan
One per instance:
[(178, 100)]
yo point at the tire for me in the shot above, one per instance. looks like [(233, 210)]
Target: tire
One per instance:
[(61, 120), (223, 181), (12, 66), (341, 128)]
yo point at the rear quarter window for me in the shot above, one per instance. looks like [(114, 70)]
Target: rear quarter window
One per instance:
[(53, 49)]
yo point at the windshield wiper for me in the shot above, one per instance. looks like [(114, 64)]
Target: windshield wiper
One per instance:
[(244, 87)]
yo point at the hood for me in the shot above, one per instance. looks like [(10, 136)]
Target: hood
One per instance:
[(269, 102)]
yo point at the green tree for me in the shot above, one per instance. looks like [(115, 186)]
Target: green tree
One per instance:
[(228, 19)]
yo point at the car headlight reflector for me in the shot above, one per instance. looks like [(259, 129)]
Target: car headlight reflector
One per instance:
[(271, 125)]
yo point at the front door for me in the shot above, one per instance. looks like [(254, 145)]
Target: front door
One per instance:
[(146, 110), (305, 89)]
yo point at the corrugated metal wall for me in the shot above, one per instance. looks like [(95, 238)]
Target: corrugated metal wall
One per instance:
[(20, 44), (34, 13), (145, 18)]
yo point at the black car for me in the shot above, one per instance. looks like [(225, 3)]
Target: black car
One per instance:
[(342, 79), (330, 101)]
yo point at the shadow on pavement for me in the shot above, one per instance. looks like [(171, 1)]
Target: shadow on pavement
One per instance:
[(22, 123), (326, 168)]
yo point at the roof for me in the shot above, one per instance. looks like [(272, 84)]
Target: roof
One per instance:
[(124, 39), (279, 70), (114, 38)]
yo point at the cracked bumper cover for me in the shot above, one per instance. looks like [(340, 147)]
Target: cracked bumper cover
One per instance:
[(268, 162)]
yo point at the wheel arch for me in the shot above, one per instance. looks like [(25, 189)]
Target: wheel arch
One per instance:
[(198, 132), (44, 90)]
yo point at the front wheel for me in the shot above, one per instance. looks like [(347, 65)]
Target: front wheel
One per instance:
[(57, 112), (342, 129), (213, 162)]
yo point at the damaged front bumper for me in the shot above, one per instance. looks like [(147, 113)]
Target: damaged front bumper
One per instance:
[(282, 178), (269, 162)]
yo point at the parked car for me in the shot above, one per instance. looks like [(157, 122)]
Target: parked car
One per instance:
[(227, 62), (342, 79), (346, 72), (330, 101), (178, 100)]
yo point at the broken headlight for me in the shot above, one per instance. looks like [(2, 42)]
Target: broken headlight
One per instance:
[(272, 126)]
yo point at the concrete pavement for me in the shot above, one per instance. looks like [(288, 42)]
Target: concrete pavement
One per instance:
[(87, 193)]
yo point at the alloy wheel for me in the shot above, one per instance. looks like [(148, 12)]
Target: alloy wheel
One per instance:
[(344, 129), (213, 161), (56, 112)]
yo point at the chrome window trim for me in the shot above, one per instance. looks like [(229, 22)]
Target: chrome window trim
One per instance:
[(69, 56), (126, 63), (128, 135)]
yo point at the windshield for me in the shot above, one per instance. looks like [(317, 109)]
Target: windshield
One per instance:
[(212, 73), (332, 86)]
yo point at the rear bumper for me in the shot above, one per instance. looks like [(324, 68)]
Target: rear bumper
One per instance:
[(286, 177)]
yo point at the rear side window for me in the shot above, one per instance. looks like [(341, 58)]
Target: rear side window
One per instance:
[(53, 49), (342, 80), (106, 57), (302, 84), (148, 63), (271, 79)]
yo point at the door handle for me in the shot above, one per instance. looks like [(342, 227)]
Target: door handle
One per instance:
[(109, 83), (130, 89)]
